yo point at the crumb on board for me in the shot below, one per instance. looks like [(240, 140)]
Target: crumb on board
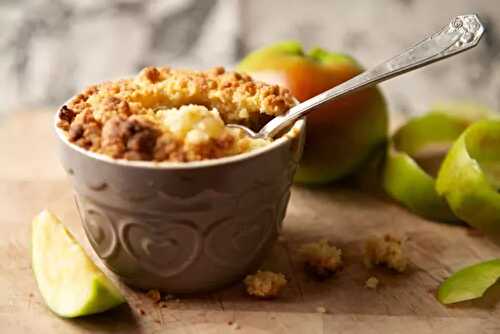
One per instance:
[(168, 297), (372, 282), (321, 258), (161, 300), (154, 295), (233, 325), (321, 309), (387, 251), (265, 284), (142, 312)]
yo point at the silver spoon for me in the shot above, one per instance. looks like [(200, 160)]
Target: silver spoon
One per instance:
[(462, 33)]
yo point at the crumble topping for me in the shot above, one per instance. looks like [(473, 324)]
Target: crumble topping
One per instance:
[(321, 258), (265, 284), (166, 114), (387, 251)]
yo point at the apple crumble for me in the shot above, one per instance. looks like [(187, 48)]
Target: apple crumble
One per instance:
[(387, 251), (321, 258), (166, 114), (265, 284)]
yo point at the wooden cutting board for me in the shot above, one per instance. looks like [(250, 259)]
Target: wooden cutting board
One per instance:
[(31, 179)]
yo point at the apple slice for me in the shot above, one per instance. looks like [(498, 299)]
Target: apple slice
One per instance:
[(69, 281)]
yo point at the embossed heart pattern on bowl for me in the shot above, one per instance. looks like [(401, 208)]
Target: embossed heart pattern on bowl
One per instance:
[(183, 227)]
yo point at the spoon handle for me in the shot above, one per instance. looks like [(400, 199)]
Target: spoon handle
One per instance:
[(462, 33)]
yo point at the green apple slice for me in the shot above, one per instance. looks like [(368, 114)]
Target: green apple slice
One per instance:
[(469, 177), (69, 281), (469, 283), (407, 181)]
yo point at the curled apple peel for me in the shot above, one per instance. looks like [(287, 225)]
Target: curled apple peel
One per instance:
[(406, 180), (469, 177)]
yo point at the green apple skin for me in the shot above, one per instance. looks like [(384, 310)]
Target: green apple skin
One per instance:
[(469, 283), (462, 181), (404, 180), (341, 135)]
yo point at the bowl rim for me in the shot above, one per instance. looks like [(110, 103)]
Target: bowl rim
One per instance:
[(299, 125)]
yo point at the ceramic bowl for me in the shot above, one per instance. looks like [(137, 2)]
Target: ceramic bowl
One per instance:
[(183, 227)]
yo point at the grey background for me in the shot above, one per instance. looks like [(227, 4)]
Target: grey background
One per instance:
[(50, 49)]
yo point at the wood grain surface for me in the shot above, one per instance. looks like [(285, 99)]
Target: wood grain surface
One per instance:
[(31, 179)]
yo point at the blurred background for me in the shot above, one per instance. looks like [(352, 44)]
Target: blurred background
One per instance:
[(49, 49)]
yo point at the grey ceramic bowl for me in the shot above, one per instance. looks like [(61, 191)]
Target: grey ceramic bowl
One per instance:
[(183, 227)]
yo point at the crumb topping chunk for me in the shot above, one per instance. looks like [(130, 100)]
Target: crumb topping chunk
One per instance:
[(265, 284), (387, 251), (322, 259), (372, 283)]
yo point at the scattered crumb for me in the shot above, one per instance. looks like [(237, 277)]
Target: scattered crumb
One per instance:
[(372, 282), (321, 258), (321, 309), (154, 295), (157, 321), (265, 284), (159, 299), (234, 325), (142, 312), (387, 251), (31, 294), (168, 297)]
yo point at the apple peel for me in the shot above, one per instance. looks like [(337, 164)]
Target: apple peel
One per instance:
[(404, 179), (470, 282), (469, 177)]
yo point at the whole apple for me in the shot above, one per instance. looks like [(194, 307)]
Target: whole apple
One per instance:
[(339, 136)]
